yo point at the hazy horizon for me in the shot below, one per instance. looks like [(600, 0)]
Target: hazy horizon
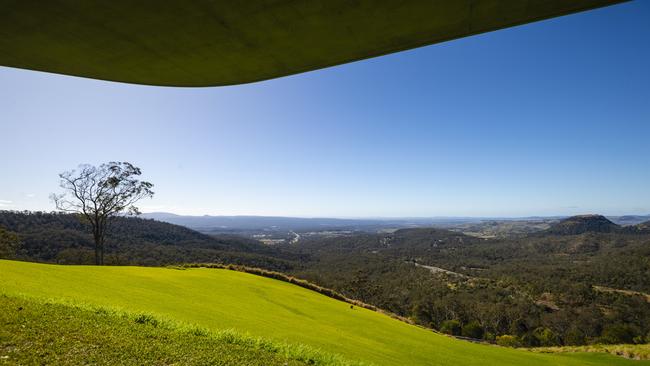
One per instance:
[(437, 217), (402, 217), (546, 119)]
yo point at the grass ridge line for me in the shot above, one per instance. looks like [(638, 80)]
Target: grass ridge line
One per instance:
[(299, 282), (633, 352), (290, 351)]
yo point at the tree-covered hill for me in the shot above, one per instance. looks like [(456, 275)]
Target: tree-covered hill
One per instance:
[(643, 227), (543, 288), (583, 224), (64, 238)]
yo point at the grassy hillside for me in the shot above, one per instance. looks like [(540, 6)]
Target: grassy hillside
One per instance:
[(222, 299), (34, 333)]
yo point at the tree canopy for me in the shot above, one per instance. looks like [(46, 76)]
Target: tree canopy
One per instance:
[(98, 193)]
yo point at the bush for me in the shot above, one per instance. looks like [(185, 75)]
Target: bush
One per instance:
[(546, 337), (574, 337), (472, 330), (488, 336), (617, 334), (529, 340), (450, 327), (508, 341)]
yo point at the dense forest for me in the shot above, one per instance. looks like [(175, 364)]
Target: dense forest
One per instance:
[(66, 239), (578, 286), (584, 280)]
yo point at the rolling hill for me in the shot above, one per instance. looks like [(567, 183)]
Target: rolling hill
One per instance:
[(643, 227), (583, 224), (278, 311), (64, 239)]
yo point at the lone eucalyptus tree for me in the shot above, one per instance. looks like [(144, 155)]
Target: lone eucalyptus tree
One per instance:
[(98, 193)]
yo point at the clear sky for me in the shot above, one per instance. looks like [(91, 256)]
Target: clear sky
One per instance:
[(543, 119)]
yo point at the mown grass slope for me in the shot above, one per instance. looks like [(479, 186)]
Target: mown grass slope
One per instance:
[(222, 299), (36, 333)]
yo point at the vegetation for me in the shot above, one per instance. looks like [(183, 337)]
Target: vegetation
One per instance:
[(9, 243), (543, 289), (286, 278), (219, 299), (583, 224), (62, 238), (98, 194), (36, 332), (631, 351)]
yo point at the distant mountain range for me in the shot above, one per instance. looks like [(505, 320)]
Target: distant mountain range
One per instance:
[(225, 223), (629, 219), (234, 223)]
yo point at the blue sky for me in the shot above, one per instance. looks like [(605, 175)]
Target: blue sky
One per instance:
[(543, 119)]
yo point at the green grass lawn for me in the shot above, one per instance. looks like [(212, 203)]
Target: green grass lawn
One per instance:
[(36, 333), (222, 299)]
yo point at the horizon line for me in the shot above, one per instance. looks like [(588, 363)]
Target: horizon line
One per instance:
[(436, 217)]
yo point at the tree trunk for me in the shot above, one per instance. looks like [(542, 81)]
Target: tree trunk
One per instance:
[(101, 252), (99, 260)]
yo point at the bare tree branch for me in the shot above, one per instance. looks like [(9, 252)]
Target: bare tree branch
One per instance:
[(100, 193)]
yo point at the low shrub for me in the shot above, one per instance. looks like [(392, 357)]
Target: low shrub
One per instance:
[(472, 330), (546, 337), (508, 341), (617, 334), (451, 327)]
